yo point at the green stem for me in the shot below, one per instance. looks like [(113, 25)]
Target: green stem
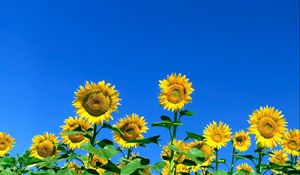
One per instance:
[(232, 160), (217, 159), (128, 153), (92, 141), (173, 137), (259, 162)]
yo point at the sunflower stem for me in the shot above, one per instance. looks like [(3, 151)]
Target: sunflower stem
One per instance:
[(173, 137), (260, 156), (232, 160), (217, 159), (93, 141)]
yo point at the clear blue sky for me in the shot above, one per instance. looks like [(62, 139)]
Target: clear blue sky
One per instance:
[(238, 54)]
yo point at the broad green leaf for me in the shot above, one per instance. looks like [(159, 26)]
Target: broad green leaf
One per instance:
[(105, 125), (153, 139), (186, 113), (88, 147), (159, 165), (191, 135), (165, 118), (131, 167), (109, 151)]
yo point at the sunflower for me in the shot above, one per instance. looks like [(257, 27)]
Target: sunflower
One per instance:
[(96, 164), (75, 167), (241, 141), (175, 92), (217, 136), (96, 102), (268, 126), (74, 140), (6, 143), (291, 142), (278, 157), (131, 127), (177, 156), (245, 167), (206, 149), (44, 146), (180, 169)]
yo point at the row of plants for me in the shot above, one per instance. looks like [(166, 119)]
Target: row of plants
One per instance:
[(81, 149)]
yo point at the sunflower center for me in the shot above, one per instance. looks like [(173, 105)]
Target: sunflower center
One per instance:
[(46, 148), (217, 136), (131, 131), (96, 103), (267, 127), (175, 93), (293, 145), (3, 144), (240, 140), (76, 138)]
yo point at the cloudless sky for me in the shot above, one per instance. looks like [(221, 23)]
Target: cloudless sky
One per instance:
[(240, 55)]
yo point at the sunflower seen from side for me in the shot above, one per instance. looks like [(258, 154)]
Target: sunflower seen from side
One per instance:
[(241, 141), (175, 92), (246, 168), (217, 135), (96, 164), (177, 156), (268, 126), (44, 146), (96, 101), (6, 143), (74, 141), (75, 167), (291, 142), (278, 157), (132, 127)]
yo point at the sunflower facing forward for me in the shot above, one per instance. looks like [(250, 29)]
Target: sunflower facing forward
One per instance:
[(268, 126), (74, 140), (245, 167), (175, 92), (241, 141), (132, 127), (44, 146), (6, 143), (291, 142), (96, 102), (216, 135)]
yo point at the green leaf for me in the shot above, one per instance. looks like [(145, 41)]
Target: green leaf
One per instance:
[(186, 113), (191, 135), (153, 139), (165, 118), (220, 172), (6, 172), (164, 124), (105, 125), (65, 171), (159, 165), (104, 143), (131, 167), (110, 151), (88, 147), (188, 162)]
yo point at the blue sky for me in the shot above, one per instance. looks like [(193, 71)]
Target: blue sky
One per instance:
[(239, 55)]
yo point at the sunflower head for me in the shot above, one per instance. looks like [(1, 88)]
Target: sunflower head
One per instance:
[(179, 144), (97, 162), (180, 169), (44, 146), (6, 143), (72, 124), (291, 142), (241, 141), (206, 149), (175, 92), (246, 168), (217, 135), (96, 101), (268, 126), (278, 157), (75, 167), (132, 127)]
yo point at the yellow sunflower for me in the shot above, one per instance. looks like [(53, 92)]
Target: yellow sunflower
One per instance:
[(74, 140), (241, 141), (206, 149), (245, 167), (177, 156), (291, 142), (44, 146), (96, 102), (278, 157), (6, 143), (216, 135), (268, 126), (96, 164), (175, 92), (180, 169), (75, 167), (132, 127)]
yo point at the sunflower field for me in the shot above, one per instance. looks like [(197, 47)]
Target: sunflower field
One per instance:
[(80, 150)]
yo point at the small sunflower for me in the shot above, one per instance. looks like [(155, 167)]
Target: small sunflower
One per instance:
[(179, 144), (268, 126), (217, 136), (180, 169), (278, 157), (96, 164), (44, 146), (132, 127), (245, 167), (241, 141), (75, 167), (6, 143), (96, 102), (74, 140), (206, 149), (175, 92), (291, 142)]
